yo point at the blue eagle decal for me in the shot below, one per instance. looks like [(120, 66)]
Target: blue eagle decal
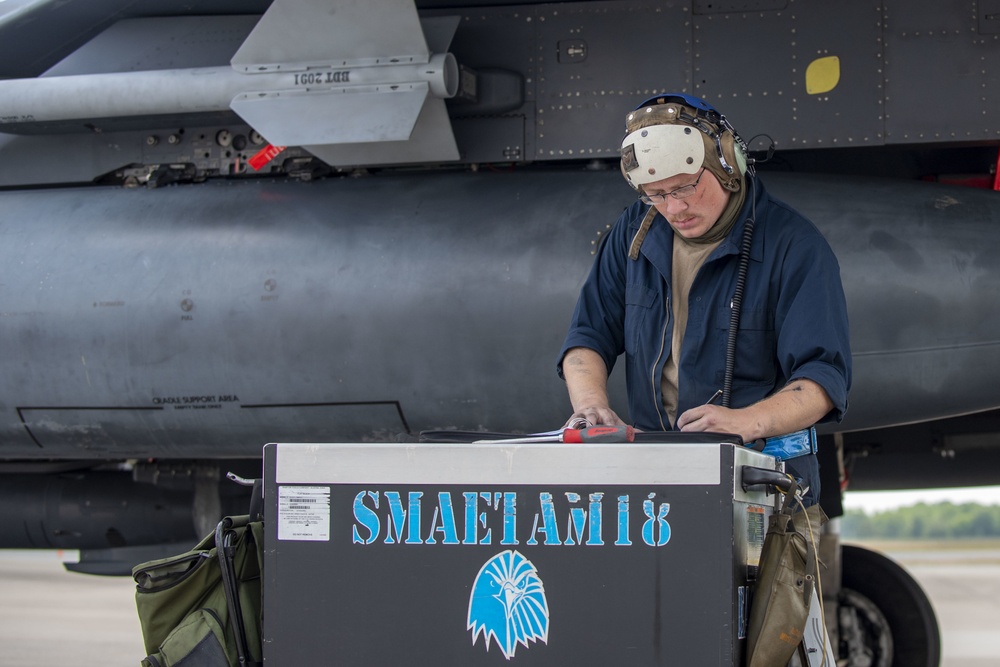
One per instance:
[(508, 603)]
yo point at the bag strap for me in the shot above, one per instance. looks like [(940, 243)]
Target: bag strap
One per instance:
[(792, 505), (225, 534)]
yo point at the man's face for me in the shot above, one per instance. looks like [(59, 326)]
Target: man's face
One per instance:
[(692, 216)]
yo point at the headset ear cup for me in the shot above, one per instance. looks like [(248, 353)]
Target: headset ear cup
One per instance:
[(734, 153), (741, 160)]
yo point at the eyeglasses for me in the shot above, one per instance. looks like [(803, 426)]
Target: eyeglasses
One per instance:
[(682, 192)]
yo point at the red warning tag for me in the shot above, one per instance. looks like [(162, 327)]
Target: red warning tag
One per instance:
[(264, 156)]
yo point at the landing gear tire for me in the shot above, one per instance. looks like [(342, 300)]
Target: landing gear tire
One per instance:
[(885, 617)]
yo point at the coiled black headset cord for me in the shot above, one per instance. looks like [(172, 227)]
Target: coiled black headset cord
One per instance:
[(737, 302)]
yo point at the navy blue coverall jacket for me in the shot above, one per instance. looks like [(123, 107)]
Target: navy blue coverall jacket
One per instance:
[(793, 321)]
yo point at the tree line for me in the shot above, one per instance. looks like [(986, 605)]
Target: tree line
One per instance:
[(924, 522)]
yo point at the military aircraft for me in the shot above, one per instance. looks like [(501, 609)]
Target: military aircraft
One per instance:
[(231, 223)]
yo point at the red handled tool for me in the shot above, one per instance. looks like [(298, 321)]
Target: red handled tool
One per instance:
[(606, 434), (599, 434)]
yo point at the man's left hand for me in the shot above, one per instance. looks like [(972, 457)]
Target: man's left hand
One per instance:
[(717, 419), (797, 405)]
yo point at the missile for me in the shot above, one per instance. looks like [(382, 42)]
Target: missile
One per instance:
[(352, 82)]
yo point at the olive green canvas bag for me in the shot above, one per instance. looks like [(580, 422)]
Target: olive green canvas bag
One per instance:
[(186, 616), (787, 580)]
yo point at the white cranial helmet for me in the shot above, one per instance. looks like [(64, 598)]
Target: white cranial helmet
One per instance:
[(674, 134)]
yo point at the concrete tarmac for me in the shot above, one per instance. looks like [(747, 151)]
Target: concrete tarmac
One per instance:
[(52, 618)]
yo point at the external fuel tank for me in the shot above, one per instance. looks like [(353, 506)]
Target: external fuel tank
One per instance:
[(205, 320)]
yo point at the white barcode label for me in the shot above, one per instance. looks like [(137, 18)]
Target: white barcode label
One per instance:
[(304, 513)]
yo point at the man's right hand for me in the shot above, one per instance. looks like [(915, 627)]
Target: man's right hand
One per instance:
[(594, 416), (587, 382)]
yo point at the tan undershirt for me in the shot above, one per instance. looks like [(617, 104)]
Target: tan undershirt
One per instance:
[(688, 258)]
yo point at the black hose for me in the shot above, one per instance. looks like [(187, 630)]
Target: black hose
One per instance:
[(737, 302), (751, 476)]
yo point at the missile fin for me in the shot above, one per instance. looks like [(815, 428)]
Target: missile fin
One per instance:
[(295, 34), (432, 140), (348, 114), (439, 31)]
